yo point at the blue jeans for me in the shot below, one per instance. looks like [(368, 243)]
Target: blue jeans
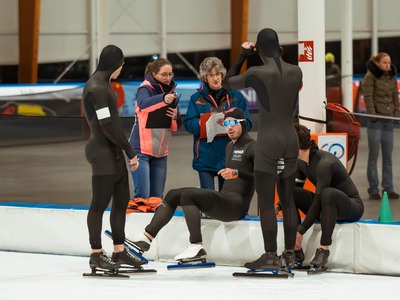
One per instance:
[(380, 134), (207, 180), (149, 178)]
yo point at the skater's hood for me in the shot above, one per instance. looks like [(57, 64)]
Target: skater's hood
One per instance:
[(111, 58), (268, 43)]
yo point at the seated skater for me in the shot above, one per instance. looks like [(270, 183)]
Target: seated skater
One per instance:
[(231, 204), (336, 197)]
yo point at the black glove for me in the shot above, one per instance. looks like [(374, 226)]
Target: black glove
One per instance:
[(246, 52)]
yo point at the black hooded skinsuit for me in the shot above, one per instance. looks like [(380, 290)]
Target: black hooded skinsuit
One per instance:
[(104, 150), (231, 204), (277, 86)]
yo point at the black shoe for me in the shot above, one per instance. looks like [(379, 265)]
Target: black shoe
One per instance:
[(288, 259), (101, 261), (375, 196), (393, 195), (127, 258), (298, 256), (267, 261), (321, 258)]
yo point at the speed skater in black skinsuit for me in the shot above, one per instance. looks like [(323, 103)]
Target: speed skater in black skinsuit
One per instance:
[(336, 197), (277, 86), (231, 204), (104, 151)]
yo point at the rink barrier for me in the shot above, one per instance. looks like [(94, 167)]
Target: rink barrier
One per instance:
[(366, 247)]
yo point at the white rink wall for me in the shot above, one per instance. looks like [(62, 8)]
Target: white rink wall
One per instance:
[(362, 247)]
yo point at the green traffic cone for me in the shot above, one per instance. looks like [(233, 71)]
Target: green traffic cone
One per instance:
[(385, 215)]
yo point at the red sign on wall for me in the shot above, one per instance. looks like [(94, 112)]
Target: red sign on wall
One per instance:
[(306, 51)]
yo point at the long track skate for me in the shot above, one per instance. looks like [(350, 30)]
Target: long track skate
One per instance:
[(271, 273), (103, 273), (131, 269)]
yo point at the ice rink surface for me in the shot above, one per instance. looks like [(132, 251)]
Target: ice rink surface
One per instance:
[(41, 276)]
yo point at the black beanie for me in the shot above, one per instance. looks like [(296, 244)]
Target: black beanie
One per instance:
[(111, 58), (236, 113)]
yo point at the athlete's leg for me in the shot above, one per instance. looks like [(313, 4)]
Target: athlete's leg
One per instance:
[(102, 187), (193, 201), (303, 199), (119, 204), (265, 187), (289, 210), (165, 211), (336, 206)]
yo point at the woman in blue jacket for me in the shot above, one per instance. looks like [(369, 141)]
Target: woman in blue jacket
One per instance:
[(209, 158)]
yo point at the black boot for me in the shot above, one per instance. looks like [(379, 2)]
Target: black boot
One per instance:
[(100, 260), (298, 256), (287, 259), (127, 258), (267, 261), (321, 258)]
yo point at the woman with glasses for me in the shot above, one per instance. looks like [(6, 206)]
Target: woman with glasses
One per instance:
[(231, 204), (209, 158), (157, 116)]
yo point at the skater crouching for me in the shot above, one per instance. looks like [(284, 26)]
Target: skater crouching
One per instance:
[(336, 198), (231, 204)]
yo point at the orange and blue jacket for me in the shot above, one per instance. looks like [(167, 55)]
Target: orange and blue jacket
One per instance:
[(150, 141)]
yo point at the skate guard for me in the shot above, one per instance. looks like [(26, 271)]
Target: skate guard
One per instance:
[(191, 264), (130, 248)]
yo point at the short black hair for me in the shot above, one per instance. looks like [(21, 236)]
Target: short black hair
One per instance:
[(303, 133)]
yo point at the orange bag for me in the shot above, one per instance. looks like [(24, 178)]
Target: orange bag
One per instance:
[(143, 205)]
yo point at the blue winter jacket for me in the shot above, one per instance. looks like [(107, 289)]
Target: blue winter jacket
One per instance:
[(211, 156)]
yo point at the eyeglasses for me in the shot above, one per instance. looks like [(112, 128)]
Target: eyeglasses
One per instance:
[(234, 122), (165, 75), (214, 75)]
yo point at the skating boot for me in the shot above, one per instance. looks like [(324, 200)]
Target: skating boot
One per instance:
[(318, 263), (298, 260), (267, 261), (140, 241), (99, 260), (287, 260), (298, 257), (194, 252), (102, 266), (126, 258)]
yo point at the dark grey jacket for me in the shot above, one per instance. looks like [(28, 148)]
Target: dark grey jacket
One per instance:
[(380, 91)]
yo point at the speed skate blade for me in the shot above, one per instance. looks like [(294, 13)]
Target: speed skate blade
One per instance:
[(316, 270), (131, 249), (264, 273), (105, 274), (301, 267), (136, 270), (194, 265)]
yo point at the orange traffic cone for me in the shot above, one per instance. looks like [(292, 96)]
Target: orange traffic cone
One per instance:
[(385, 214)]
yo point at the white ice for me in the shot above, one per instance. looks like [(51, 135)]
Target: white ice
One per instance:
[(41, 276)]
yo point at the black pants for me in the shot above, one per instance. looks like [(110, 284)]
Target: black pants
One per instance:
[(335, 206)]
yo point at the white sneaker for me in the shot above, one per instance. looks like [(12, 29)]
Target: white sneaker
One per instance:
[(139, 241), (192, 252)]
